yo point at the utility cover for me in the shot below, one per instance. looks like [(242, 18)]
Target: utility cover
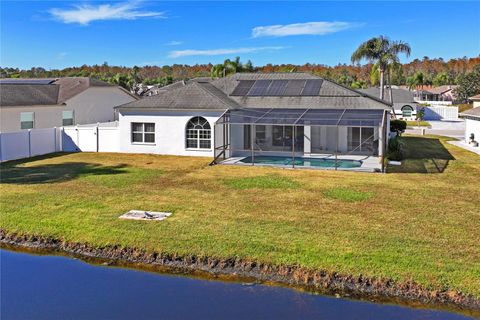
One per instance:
[(145, 215)]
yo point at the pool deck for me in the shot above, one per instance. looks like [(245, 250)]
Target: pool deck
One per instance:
[(369, 163)]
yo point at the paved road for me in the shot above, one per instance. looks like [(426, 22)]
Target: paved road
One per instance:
[(454, 129)]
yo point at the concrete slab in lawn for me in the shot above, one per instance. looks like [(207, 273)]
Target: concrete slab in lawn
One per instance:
[(145, 215)]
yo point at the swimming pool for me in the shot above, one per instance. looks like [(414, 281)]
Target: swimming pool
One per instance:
[(303, 162)]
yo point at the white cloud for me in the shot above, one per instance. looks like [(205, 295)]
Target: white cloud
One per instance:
[(174, 43), (84, 14), (307, 28), (61, 55), (217, 52)]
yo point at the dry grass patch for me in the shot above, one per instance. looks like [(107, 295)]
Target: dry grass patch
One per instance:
[(273, 181), (347, 195)]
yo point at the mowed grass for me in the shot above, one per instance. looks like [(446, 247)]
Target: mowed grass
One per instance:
[(419, 222), (348, 195), (414, 123)]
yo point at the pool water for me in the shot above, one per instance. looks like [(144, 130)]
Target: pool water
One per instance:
[(303, 162)]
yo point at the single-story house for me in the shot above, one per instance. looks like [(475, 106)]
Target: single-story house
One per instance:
[(476, 100), (47, 103), (404, 105), (443, 93), (259, 118), (472, 125)]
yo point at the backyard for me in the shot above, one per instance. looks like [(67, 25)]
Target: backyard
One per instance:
[(420, 222)]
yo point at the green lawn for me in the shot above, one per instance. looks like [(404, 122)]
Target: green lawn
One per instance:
[(420, 222), (418, 123)]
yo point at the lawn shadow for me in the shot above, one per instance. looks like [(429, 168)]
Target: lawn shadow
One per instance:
[(14, 173), (423, 155)]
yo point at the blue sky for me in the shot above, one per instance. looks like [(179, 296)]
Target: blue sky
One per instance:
[(58, 34)]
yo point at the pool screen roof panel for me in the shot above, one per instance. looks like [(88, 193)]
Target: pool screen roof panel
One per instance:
[(306, 117)]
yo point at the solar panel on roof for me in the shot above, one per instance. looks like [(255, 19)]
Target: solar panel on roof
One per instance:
[(243, 87), (294, 87), (277, 88), (312, 87), (259, 88)]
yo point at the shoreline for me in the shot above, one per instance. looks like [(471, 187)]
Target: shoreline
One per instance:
[(234, 269)]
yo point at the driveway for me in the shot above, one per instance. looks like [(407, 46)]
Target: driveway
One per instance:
[(448, 128)]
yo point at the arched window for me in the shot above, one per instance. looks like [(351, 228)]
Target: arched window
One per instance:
[(198, 133), (407, 111)]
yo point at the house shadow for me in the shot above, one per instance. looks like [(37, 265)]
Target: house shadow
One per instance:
[(15, 172), (423, 155)]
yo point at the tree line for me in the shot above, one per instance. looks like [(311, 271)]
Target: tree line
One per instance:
[(418, 73)]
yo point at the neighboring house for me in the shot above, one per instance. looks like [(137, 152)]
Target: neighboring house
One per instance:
[(154, 90), (251, 114), (403, 103), (472, 125), (47, 103), (475, 100), (437, 95)]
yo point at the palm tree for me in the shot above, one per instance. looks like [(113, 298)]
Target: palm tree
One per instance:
[(383, 52)]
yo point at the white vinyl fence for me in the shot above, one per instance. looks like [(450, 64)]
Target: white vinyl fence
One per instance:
[(34, 142), (29, 143), (92, 138), (441, 113)]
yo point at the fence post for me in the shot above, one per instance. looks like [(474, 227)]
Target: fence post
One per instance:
[(60, 142), (96, 133), (54, 139), (29, 143), (78, 138)]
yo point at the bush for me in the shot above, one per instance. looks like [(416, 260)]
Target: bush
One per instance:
[(395, 149), (421, 113), (398, 126)]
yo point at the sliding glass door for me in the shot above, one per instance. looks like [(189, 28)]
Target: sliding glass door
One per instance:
[(360, 140)]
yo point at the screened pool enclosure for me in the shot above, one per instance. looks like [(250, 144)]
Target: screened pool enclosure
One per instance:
[(298, 135)]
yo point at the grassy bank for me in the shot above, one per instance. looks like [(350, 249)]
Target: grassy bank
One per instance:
[(421, 222)]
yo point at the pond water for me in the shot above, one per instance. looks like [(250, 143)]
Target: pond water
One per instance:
[(57, 287)]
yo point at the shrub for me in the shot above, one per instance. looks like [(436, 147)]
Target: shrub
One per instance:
[(421, 113), (395, 149), (398, 126)]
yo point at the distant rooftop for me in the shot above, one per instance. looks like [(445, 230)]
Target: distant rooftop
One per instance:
[(26, 92)]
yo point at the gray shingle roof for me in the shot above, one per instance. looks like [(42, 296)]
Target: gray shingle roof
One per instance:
[(399, 95), (28, 94), (216, 95), (475, 112), (192, 96), (21, 92)]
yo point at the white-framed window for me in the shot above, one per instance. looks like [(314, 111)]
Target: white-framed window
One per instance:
[(27, 120), (67, 118), (198, 134), (143, 132), (407, 111)]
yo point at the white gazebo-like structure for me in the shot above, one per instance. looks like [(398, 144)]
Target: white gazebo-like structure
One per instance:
[(300, 132)]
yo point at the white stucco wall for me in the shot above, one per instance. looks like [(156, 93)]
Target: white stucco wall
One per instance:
[(91, 106), (472, 126), (170, 137)]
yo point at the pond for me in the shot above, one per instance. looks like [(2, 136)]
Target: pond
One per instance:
[(57, 287)]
